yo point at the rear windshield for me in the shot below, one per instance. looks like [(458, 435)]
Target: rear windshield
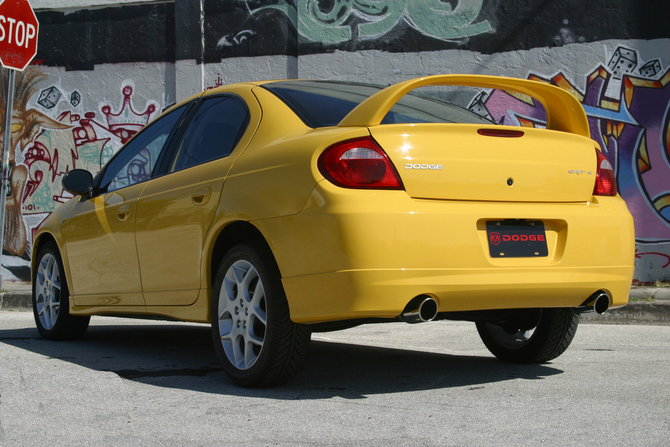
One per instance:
[(326, 103)]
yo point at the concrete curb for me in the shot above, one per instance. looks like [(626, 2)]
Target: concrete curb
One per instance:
[(635, 312), (645, 311), (16, 301), (653, 293)]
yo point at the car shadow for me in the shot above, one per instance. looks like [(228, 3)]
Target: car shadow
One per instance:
[(182, 356)]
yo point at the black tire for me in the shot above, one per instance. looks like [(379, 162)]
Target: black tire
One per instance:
[(257, 343), (51, 298), (535, 337)]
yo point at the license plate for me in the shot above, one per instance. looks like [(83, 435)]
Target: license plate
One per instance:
[(516, 238)]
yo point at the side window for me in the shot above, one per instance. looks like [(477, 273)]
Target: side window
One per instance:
[(135, 162), (212, 132)]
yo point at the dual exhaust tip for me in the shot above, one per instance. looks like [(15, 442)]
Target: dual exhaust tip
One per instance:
[(420, 309), (424, 308)]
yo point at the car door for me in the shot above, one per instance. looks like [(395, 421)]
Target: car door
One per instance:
[(100, 231), (176, 209)]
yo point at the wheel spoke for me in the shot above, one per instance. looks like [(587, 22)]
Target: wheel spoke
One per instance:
[(237, 352), (41, 307), (227, 298), (239, 273), (247, 284), (524, 335), (225, 325), (49, 315), (250, 355), (55, 276), (255, 339), (258, 302), (508, 339), (55, 308), (231, 346)]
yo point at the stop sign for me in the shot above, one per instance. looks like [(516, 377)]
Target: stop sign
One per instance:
[(18, 33)]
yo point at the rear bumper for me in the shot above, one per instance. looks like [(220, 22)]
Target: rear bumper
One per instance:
[(385, 293), (362, 254)]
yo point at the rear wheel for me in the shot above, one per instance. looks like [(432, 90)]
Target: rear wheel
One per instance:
[(535, 336), (254, 337), (51, 298)]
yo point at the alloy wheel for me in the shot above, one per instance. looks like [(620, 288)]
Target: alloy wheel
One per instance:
[(48, 291), (242, 315)]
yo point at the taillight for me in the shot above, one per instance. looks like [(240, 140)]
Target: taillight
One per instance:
[(605, 178), (359, 163)]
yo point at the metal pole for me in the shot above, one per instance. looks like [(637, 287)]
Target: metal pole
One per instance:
[(7, 142)]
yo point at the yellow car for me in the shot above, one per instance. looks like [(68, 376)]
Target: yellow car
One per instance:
[(274, 209)]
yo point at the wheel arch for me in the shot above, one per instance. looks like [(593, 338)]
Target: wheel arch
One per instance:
[(39, 241), (232, 234)]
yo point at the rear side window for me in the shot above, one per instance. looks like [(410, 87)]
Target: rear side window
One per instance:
[(212, 133), (326, 103)]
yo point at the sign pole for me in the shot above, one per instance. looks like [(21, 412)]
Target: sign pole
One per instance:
[(7, 142), (18, 46)]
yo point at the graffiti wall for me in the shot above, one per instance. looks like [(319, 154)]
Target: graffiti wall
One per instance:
[(103, 71)]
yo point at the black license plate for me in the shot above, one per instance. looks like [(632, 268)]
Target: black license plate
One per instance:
[(516, 238)]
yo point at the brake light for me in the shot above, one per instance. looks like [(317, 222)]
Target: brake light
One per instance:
[(605, 178), (504, 133), (359, 164)]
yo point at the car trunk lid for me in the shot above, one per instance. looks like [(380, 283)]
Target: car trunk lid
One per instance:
[(489, 162)]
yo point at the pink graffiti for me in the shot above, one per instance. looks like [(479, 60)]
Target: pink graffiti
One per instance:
[(127, 122)]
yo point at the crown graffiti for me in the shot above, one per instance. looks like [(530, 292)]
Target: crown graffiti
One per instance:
[(127, 122)]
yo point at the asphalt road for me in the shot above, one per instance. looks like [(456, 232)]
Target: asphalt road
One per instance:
[(132, 383)]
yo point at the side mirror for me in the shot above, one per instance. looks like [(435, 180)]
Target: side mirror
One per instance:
[(78, 182)]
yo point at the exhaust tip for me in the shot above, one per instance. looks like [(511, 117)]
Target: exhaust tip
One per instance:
[(428, 309), (420, 309), (601, 304), (597, 303)]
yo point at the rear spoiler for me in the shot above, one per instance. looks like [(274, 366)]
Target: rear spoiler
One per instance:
[(564, 112)]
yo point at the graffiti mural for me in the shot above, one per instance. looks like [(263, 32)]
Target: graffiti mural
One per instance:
[(281, 26), (628, 108), (342, 20), (44, 148)]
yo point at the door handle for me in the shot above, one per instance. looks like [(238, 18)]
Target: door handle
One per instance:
[(201, 196), (123, 213)]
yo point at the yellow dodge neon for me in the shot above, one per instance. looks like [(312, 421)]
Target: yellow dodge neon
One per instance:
[(275, 209)]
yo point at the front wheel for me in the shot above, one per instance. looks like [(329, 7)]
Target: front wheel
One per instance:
[(254, 337), (51, 298), (535, 336)]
